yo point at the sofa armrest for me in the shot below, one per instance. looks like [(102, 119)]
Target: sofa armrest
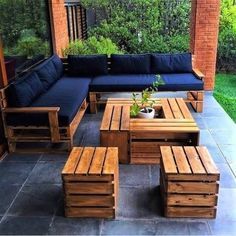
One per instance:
[(198, 73), (30, 109), (52, 117)]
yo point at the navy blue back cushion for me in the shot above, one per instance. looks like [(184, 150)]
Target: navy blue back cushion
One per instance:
[(47, 73), (130, 64), (58, 65), (87, 65), (171, 63), (23, 92)]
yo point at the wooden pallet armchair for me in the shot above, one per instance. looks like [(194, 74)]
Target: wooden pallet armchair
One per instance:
[(51, 133)]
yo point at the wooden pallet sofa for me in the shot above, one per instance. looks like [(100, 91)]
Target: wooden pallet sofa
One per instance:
[(44, 105), (128, 73), (47, 104)]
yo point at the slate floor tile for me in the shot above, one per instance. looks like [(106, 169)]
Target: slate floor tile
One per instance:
[(216, 154), (227, 179), (219, 123), (222, 227), (155, 175), (206, 139), (224, 136), (7, 195), (73, 226), (172, 228), (18, 157), (128, 227), (15, 173), (134, 175), (233, 168), (139, 203), (46, 173), (13, 225), (36, 200), (54, 157), (226, 205), (198, 228), (200, 123), (229, 152)]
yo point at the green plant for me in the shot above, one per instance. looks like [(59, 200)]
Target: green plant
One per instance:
[(145, 100), (140, 26), (92, 45)]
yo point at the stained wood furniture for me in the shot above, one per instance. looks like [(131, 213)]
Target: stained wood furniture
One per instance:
[(51, 133), (139, 140), (188, 181), (91, 182)]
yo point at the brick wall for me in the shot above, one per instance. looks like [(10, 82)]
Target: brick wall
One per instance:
[(204, 37), (58, 25)]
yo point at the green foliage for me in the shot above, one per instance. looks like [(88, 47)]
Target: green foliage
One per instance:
[(225, 93), (145, 99), (29, 44), (139, 26), (91, 46), (226, 58), (22, 17)]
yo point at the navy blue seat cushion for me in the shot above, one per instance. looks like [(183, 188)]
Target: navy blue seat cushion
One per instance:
[(47, 73), (180, 82), (130, 64), (121, 83), (171, 63), (25, 90), (67, 93), (87, 65)]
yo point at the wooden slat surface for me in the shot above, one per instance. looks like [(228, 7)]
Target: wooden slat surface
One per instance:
[(72, 161), (106, 120), (97, 162), (166, 108), (85, 160), (110, 161), (207, 161), (125, 119), (168, 160), (185, 111), (181, 161), (175, 108), (194, 160), (115, 122)]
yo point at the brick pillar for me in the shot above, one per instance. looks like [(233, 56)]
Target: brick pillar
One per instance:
[(59, 28), (204, 37)]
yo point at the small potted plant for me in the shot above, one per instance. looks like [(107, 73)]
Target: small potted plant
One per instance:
[(145, 109)]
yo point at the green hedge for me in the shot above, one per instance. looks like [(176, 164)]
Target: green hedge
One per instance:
[(225, 93)]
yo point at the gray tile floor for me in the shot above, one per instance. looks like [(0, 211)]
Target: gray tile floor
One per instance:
[(31, 199)]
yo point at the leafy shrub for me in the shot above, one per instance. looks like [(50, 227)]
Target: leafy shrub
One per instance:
[(29, 44), (141, 26), (91, 46)]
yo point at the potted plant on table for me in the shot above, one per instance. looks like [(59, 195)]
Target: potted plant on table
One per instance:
[(145, 109)]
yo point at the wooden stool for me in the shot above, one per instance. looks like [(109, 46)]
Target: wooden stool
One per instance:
[(188, 182), (90, 181)]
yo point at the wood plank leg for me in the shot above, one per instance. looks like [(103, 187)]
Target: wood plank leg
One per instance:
[(93, 102), (195, 98)]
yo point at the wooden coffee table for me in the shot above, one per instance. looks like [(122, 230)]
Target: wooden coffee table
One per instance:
[(139, 140)]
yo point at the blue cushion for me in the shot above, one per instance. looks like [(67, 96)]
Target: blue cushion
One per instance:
[(67, 93), (130, 64), (171, 63), (181, 82), (88, 65), (47, 73), (22, 92), (121, 83), (58, 65)]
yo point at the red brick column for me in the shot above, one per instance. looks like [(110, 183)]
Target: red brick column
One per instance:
[(59, 28), (204, 37)]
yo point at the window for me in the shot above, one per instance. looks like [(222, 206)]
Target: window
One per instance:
[(25, 31)]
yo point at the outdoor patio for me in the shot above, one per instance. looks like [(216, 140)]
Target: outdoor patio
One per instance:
[(32, 198)]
